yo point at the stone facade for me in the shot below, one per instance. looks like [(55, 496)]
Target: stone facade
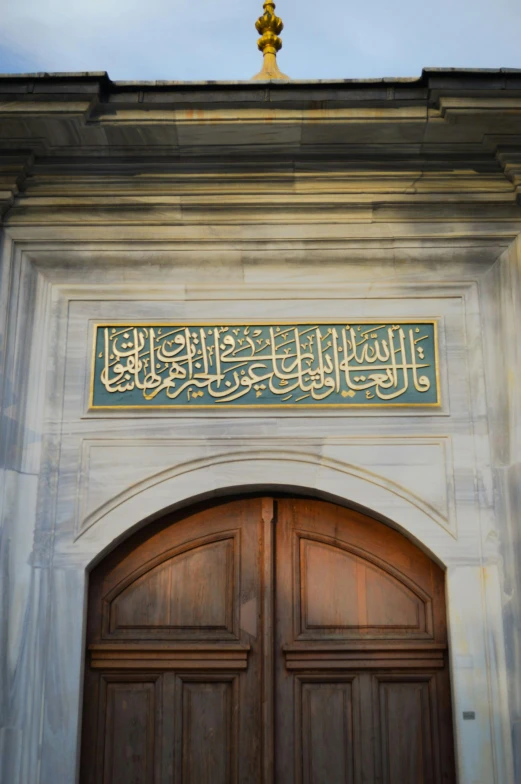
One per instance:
[(180, 202)]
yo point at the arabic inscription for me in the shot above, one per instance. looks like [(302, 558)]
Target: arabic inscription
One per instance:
[(315, 364)]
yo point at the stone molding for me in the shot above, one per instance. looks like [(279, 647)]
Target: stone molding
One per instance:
[(14, 169)]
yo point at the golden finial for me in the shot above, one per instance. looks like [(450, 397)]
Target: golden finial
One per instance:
[(269, 26)]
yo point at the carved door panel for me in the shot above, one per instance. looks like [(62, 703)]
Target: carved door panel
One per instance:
[(362, 691), (175, 652)]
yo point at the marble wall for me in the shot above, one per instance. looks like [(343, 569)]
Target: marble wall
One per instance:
[(75, 482)]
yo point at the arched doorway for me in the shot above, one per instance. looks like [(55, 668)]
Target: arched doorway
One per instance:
[(267, 640)]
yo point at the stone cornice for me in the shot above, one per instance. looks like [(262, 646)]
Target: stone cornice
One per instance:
[(14, 168), (510, 160), (444, 146), (88, 114)]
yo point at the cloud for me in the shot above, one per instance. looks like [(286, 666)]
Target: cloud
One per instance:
[(215, 39)]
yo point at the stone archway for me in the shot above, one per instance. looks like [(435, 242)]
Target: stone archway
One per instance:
[(276, 470)]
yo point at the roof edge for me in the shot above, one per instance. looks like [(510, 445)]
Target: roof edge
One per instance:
[(427, 74)]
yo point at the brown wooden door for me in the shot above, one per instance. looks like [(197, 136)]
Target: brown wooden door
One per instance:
[(267, 640), (362, 687), (175, 653)]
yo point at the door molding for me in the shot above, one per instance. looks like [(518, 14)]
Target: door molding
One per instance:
[(231, 474), (474, 605), (268, 641), (229, 459)]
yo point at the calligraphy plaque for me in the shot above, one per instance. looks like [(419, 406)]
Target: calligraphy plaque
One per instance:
[(264, 365)]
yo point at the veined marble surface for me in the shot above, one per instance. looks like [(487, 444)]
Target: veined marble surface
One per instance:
[(85, 479), (116, 239)]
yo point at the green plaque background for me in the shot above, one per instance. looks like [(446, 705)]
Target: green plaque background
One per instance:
[(265, 365)]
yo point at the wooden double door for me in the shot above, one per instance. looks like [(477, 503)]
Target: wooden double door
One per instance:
[(267, 640)]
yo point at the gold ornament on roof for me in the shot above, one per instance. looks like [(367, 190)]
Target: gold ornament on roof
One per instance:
[(269, 26)]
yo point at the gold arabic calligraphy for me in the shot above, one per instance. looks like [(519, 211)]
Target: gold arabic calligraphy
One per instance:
[(266, 364)]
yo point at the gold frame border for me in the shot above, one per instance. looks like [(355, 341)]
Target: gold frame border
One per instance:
[(264, 406)]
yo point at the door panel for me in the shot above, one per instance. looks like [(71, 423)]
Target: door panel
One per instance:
[(405, 701), (208, 730), (267, 641), (344, 594), (189, 591), (326, 733), (130, 712)]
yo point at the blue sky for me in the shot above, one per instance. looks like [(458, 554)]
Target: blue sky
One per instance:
[(216, 39)]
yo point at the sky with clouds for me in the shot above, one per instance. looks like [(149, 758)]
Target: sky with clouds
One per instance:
[(216, 39)]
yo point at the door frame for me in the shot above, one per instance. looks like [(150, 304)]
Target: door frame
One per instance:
[(477, 658)]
